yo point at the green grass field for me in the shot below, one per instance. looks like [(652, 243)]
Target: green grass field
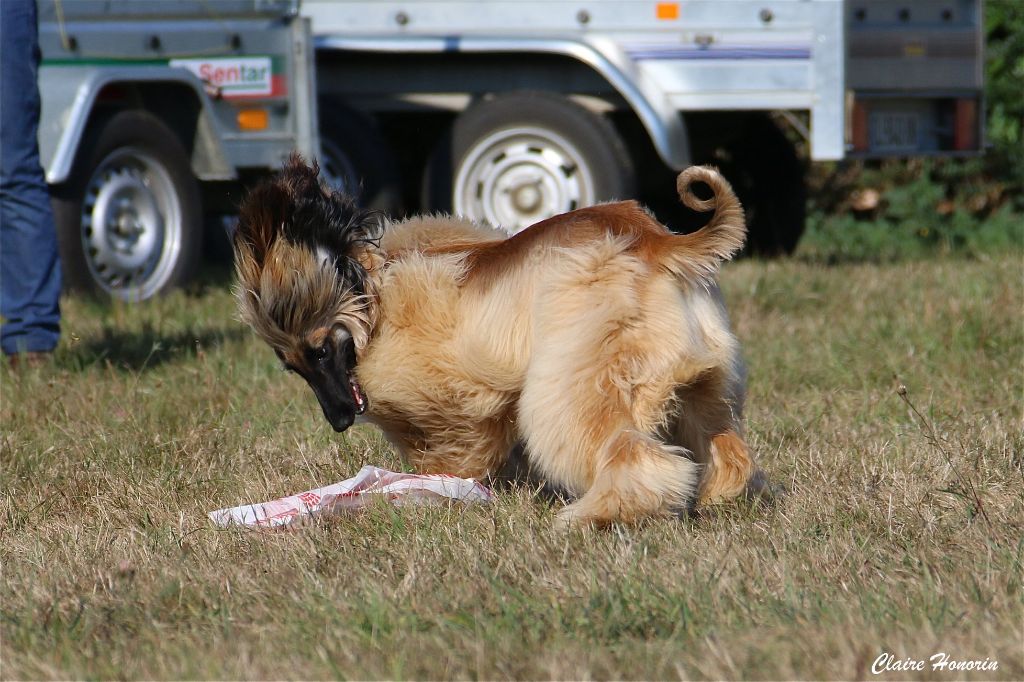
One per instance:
[(897, 533)]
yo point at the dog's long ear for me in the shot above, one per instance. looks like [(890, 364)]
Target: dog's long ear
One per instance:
[(293, 213), (296, 206), (261, 219), (326, 220), (298, 258)]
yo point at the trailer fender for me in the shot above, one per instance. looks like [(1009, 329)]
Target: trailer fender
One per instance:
[(75, 101), (663, 123)]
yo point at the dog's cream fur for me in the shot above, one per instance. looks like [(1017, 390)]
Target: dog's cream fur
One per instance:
[(596, 337)]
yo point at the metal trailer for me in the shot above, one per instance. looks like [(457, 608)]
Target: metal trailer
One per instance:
[(510, 111), (156, 112), (152, 109)]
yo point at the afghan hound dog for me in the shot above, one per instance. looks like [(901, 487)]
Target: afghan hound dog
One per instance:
[(595, 340)]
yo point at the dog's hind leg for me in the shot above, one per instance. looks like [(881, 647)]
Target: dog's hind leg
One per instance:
[(728, 468), (708, 426), (599, 384), (584, 438), (636, 477)]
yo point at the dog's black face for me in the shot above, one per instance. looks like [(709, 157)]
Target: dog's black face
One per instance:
[(326, 359)]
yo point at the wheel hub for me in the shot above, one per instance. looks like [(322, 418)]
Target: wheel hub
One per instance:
[(527, 197), (126, 225), (517, 177)]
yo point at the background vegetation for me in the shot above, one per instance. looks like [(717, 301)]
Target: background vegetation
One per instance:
[(896, 209)]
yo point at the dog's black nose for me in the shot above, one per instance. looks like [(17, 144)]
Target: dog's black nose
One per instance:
[(342, 423)]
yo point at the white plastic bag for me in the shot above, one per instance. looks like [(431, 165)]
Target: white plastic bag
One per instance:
[(354, 493)]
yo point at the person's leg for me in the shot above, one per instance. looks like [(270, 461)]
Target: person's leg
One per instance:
[(29, 265)]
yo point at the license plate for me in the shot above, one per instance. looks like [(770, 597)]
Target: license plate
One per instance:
[(894, 131)]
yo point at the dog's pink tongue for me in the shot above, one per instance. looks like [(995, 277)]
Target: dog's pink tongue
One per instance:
[(358, 395)]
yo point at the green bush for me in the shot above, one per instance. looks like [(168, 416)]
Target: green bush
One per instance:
[(1004, 91)]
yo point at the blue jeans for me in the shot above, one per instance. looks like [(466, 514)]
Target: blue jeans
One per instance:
[(29, 266)]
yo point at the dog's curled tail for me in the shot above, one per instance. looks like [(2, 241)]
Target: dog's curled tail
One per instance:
[(698, 255)]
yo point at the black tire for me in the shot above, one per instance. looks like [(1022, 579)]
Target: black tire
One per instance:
[(515, 159), (770, 179), (356, 159), (129, 219)]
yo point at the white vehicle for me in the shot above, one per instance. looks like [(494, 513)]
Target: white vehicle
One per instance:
[(156, 112)]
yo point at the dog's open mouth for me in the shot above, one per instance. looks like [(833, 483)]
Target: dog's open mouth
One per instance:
[(357, 394)]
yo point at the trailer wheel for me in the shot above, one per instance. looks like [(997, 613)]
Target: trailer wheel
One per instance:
[(355, 157), (129, 220), (519, 158)]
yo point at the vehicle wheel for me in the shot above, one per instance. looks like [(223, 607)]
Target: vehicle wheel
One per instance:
[(519, 158), (356, 159), (769, 177), (129, 220)]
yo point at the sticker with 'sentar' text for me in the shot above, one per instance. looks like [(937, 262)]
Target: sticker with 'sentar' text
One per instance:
[(235, 76)]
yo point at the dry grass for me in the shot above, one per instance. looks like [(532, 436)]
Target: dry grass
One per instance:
[(156, 414)]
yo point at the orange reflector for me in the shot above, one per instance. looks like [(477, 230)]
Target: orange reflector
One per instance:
[(965, 137), (860, 126), (668, 11), (253, 119)]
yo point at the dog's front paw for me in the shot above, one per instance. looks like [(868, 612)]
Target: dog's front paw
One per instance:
[(577, 517), (572, 517)]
